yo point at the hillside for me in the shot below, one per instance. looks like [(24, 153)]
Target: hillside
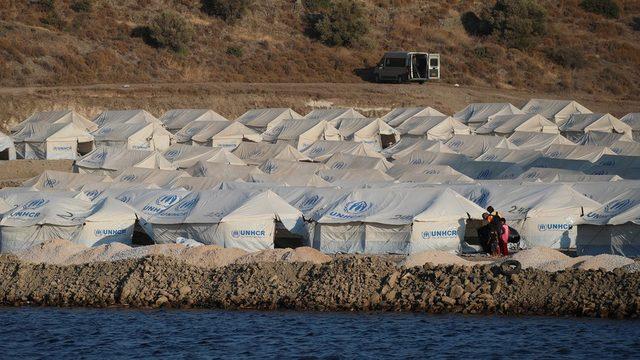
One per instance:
[(51, 42)]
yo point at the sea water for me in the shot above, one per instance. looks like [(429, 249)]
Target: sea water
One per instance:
[(62, 333)]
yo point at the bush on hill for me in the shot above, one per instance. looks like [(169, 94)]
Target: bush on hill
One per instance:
[(340, 23), (170, 30), (607, 8), (518, 23), (228, 10)]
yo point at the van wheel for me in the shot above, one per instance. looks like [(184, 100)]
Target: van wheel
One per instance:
[(400, 80), (377, 78), (421, 82)]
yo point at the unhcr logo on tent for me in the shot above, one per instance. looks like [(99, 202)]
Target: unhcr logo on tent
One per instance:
[(456, 143), (607, 163), (480, 200), (124, 198), (92, 194), (167, 200), (484, 174), (171, 154), (316, 150), (110, 232), (193, 130), (105, 130), (416, 162), (309, 202), (188, 205), (491, 158), (99, 156), (128, 178), (440, 234), (248, 233), (554, 154), (270, 167), (339, 165), (357, 207), (50, 183), (554, 227), (35, 204), (618, 206), (431, 172)]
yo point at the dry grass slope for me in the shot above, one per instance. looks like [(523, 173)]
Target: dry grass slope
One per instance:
[(63, 44)]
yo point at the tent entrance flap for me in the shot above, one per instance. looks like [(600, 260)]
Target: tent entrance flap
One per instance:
[(286, 239), (387, 140), (419, 66), (4, 154), (85, 147)]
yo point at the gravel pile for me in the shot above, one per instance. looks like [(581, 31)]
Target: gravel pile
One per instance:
[(565, 264), (99, 253), (538, 257), (210, 256), (632, 268), (301, 254), (435, 257), (605, 261), (172, 250), (55, 251)]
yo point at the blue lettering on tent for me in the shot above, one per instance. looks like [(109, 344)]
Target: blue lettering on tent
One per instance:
[(62, 148), (110, 232), (248, 233), (554, 227), (309, 202), (440, 234), (29, 214), (129, 178)]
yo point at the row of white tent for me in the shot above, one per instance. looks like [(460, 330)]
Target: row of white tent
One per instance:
[(402, 218), (65, 133)]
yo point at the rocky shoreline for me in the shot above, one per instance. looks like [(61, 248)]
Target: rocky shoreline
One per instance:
[(343, 284)]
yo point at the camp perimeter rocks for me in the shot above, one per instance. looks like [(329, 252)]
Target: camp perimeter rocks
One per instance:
[(351, 283)]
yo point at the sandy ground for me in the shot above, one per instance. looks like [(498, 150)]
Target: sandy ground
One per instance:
[(14, 172), (233, 99)]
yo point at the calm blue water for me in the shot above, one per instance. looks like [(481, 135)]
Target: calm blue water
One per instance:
[(99, 334)]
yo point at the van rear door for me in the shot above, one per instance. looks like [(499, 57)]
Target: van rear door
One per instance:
[(434, 66)]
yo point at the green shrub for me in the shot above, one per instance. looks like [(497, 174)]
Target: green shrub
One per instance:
[(343, 23), (53, 19), (635, 23), (608, 8), (475, 26), (518, 23), (228, 10), (235, 51), (570, 58), (82, 6), (316, 5), (170, 30), (46, 5)]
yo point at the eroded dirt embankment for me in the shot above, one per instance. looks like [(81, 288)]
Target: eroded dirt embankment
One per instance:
[(349, 284)]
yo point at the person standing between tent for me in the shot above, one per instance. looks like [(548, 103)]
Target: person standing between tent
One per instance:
[(504, 237)]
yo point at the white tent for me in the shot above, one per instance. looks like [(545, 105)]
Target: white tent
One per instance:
[(543, 214), (578, 124), (600, 138), (476, 145), (333, 114), (222, 172), (7, 147), (395, 221), (147, 202), (505, 125), (577, 152), (604, 192), (57, 117), (135, 136), (633, 120), (226, 135), (135, 175), (374, 132), (627, 167), (520, 157), (237, 219), (262, 119), (108, 159), (537, 141), (42, 216), (560, 163), (112, 117), (549, 175), (436, 174), (628, 148), (196, 183), (343, 161), (407, 145), (353, 176), (258, 153), (555, 110), (483, 170), (477, 114), (321, 150), (433, 127), (61, 180), (432, 158), (184, 156), (612, 228), (52, 141), (185, 135), (276, 166), (312, 202), (176, 119), (398, 116), (301, 133), (289, 178)]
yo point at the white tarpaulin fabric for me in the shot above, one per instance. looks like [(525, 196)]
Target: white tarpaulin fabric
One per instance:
[(342, 161), (227, 135), (537, 141), (633, 120), (374, 132), (333, 114), (577, 152), (321, 150), (604, 192), (176, 119), (628, 167), (353, 176), (433, 127), (56, 141), (261, 119), (407, 145), (432, 158), (476, 114), (57, 117), (276, 166), (222, 172), (7, 147), (628, 148), (395, 221), (185, 135), (157, 177), (577, 124), (476, 145), (61, 180), (301, 133), (113, 117), (505, 125), (258, 153), (556, 110), (135, 136), (601, 138), (227, 218), (520, 157), (398, 116), (185, 156), (108, 159)]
